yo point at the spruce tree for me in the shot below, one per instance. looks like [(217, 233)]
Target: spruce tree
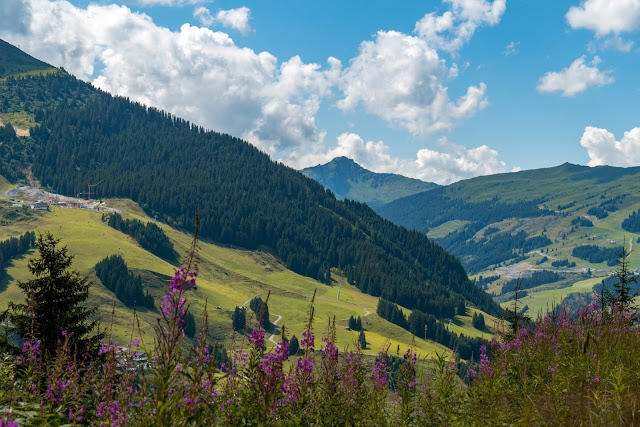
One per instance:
[(358, 324), (239, 319), (362, 340), (623, 294), (54, 301), (352, 323), (294, 346)]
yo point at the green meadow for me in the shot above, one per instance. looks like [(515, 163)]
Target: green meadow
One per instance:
[(228, 277)]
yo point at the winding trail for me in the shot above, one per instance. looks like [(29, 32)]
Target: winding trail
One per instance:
[(274, 324)]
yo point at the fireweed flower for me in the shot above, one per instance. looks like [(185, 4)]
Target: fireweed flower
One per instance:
[(308, 341), (257, 339), (485, 364), (379, 373), (30, 352)]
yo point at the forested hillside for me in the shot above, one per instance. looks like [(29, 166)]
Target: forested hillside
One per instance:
[(492, 220), (15, 61), (173, 168)]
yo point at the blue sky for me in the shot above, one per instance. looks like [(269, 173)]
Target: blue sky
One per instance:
[(437, 90)]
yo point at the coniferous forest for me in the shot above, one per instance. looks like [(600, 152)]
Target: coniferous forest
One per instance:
[(149, 235), (173, 168), (115, 276), (13, 247)]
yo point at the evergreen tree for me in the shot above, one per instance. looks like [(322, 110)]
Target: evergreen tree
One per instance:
[(255, 304), (54, 300), (352, 323), (294, 346), (239, 319), (263, 315), (190, 325), (358, 324), (362, 340), (623, 294), (461, 308), (515, 316), (478, 321), (261, 310)]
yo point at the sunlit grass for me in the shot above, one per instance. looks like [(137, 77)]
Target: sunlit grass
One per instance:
[(228, 277)]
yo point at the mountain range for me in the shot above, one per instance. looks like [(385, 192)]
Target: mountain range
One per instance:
[(80, 136)]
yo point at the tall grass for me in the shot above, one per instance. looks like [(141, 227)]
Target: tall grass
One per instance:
[(560, 370)]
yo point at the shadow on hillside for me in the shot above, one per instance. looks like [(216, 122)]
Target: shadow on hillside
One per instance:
[(4, 281)]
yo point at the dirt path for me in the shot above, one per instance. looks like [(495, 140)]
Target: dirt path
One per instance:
[(274, 324)]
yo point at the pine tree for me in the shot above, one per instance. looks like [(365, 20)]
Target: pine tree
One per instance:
[(294, 346), (515, 316), (54, 301), (358, 324), (352, 323), (239, 319), (478, 321), (623, 294), (263, 315), (362, 340)]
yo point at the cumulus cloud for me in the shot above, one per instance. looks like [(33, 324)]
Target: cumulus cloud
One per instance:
[(402, 79), (442, 167), (604, 149), (605, 17), (455, 27), (195, 73), (237, 19), (203, 76), (576, 78), (14, 16)]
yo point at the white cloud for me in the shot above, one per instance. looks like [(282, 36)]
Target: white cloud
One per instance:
[(170, 3), (14, 16), (204, 16), (605, 16), (203, 76), (610, 43), (604, 149), (511, 49), (451, 30), (429, 165), (237, 19), (576, 78), (401, 79), (195, 73)]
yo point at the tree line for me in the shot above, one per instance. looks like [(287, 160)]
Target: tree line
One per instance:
[(427, 326), (493, 249), (13, 247), (596, 254), (115, 276), (632, 223), (537, 278), (148, 235)]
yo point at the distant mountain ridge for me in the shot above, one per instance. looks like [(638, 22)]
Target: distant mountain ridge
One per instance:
[(348, 180), (491, 220)]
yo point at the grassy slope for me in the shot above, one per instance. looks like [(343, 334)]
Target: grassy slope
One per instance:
[(228, 277), (541, 302), (602, 233)]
